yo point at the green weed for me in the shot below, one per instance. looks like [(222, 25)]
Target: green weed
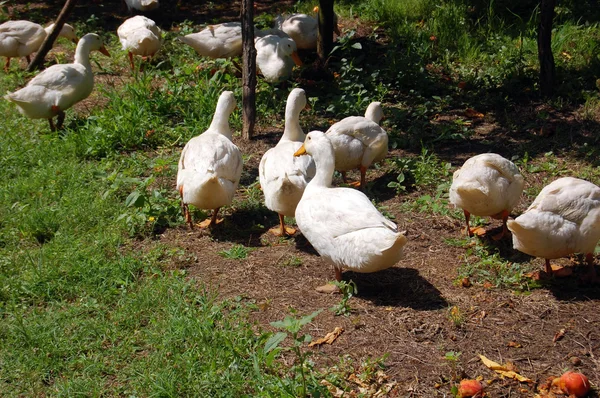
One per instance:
[(347, 289), (302, 367), (236, 252)]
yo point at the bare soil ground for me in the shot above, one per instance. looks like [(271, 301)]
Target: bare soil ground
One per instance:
[(416, 311)]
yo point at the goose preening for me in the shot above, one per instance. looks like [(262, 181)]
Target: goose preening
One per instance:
[(139, 36), (563, 219), (61, 86), (359, 142), (141, 5), (210, 165), (283, 176), (304, 28), (341, 223), (22, 38), (275, 57), (487, 185)]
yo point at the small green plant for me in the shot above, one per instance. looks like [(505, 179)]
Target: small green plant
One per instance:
[(292, 326), (237, 252), (348, 289), (292, 261), (456, 316)]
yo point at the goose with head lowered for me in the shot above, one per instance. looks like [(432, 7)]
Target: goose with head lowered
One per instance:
[(487, 185), (22, 38), (341, 223), (61, 86), (210, 165), (359, 142), (275, 57), (139, 36), (563, 219), (283, 177), (304, 28)]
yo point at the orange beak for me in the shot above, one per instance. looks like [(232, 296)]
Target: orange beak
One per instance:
[(104, 51), (296, 58), (301, 151)]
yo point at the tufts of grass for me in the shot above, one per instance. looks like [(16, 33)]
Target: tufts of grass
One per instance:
[(236, 252)]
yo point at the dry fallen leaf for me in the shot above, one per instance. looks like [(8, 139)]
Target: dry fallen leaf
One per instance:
[(514, 344), (472, 113), (329, 337), (504, 370), (559, 335)]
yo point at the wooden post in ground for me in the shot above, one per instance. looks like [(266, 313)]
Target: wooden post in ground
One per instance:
[(51, 38), (325, 37), (547, 69), (248, 70)]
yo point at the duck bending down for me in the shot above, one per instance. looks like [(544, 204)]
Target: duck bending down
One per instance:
[(563, 219), (139, 36), (487, 185), (141, 5), (210, 165), (359, 142), (341, 223), (275, 57), (60, 86), (22, 38), (304, 28), (283, 177)]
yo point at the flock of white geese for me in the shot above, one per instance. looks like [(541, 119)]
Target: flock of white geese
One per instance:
[(296, 175)]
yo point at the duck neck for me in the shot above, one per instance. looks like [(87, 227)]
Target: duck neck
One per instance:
[(220, 121), (325, 165), (48, 29), (292, 130), (82, 54)]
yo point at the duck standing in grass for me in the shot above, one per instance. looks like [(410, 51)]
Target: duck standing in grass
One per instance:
[(341, 223), (487, 185), (283, 177), (61, 86), (563, 219), (22, 38), (359, 142), (210, 165), (217, 41), (139, 36)]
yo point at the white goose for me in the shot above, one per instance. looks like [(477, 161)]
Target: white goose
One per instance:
[(142, 5), (275, 57), (359, 142), (210, 165), (563, 219), (217, 41), (60, 86), (487, 185), (341, 223), (22, 38), (303, 28), (283, 176), (140, 36)]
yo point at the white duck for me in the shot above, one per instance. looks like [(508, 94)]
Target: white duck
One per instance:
[(359, 142), (487, 185), (563, 219), (283, 176), (60, 86), (140, 36), (141, 5), (303, 28), (275, 57), (210, 165), (217, 41), (222, 40), (22, 38), (341, 223)]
